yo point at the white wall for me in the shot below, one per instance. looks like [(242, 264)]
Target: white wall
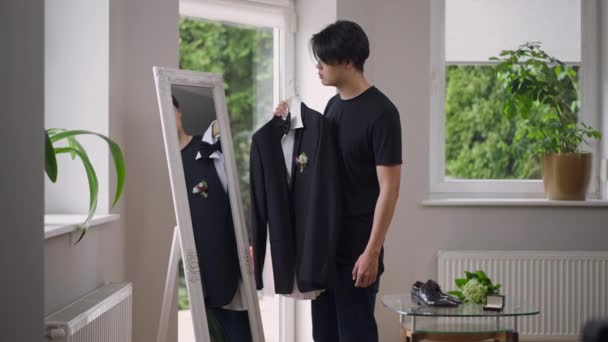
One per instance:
[(351, 10), (21, 185), (313, 16), (151, 33), (400, 37), (138, 34), (71, 271), (76, 96), (84, 91)]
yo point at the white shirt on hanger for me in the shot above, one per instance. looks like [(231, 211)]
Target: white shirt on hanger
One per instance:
[(217, 156)]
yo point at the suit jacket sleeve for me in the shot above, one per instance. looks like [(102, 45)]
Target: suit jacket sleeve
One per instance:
[(259, 218)]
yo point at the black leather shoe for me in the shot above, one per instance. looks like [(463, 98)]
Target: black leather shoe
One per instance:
[(430, 294)]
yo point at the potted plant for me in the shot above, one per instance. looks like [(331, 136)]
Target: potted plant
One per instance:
[(543, 92), (75, 149)]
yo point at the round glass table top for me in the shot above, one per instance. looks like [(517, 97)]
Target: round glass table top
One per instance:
[(403, 305)]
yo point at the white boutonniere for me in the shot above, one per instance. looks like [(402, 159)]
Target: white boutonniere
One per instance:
[(302, 161), (201, 188)]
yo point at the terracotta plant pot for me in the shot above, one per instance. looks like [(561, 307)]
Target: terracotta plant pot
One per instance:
[(566, 175)]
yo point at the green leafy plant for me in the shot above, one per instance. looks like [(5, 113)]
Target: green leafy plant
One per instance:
[(475, 287), (479, 139), (542, 91), (75, 149)]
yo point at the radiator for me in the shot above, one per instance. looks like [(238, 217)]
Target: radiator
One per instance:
[(567, 287), (103, 315)]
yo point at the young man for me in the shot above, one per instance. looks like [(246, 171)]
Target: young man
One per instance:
[(367, 130)]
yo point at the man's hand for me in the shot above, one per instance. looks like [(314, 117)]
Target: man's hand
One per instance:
[(282, 109), (365, 271)]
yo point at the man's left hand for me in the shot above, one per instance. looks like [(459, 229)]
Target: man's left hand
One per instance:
[(365, 271)]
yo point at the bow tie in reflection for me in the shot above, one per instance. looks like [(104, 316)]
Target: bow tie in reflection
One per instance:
[(286, 124), (206, 149)]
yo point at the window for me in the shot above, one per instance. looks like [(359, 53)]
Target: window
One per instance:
[(250, 44), (472, 149)]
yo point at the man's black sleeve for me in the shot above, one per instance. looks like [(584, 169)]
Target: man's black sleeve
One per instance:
[(386, 138)]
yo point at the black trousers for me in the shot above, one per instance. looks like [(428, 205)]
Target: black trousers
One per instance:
[(345, 313), (234, 325)]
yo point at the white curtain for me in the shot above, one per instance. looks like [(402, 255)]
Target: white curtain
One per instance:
[(478, 29)]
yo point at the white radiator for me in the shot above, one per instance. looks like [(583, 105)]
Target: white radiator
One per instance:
[(567, 287), (103, 315)]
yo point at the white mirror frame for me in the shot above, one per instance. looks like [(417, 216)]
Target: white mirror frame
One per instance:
[(164, 79)]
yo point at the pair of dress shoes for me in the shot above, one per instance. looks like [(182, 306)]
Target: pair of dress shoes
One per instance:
[(430, 294)]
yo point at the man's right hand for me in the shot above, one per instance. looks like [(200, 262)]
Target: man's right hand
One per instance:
[(282, 109)]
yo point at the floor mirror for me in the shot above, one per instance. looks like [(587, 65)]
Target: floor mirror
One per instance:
[(211, 227)]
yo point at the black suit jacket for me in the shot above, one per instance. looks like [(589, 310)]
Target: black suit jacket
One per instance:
[(213, 229), (303, 218)]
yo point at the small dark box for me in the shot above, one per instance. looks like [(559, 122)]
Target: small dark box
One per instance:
[(494, 303)]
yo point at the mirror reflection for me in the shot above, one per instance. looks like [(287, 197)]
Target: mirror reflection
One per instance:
[(207, 184)]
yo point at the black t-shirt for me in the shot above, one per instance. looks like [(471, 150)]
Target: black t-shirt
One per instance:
[(367, 129)]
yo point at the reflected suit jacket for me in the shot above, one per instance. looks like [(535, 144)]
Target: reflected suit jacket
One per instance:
[(302, 217), (213, 229)]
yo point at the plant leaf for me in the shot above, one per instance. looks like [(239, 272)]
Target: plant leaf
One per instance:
[(460, 282), (50, 161), (469, 275), (117, 156), (72, 142), (93, 184), (53, 131), (458, 294), (481, 275)]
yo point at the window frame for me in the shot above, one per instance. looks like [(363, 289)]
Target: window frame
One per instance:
[(440, 186), (280, 16)]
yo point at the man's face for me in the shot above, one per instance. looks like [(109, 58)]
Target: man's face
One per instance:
[(331, 74)]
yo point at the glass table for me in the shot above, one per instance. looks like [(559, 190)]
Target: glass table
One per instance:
[(467, 322)]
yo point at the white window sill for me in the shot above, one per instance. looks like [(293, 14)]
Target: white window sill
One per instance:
[(511, 202), (55, 225)]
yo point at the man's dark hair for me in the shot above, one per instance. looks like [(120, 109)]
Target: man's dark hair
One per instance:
[(175, 103), (341, 42)]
